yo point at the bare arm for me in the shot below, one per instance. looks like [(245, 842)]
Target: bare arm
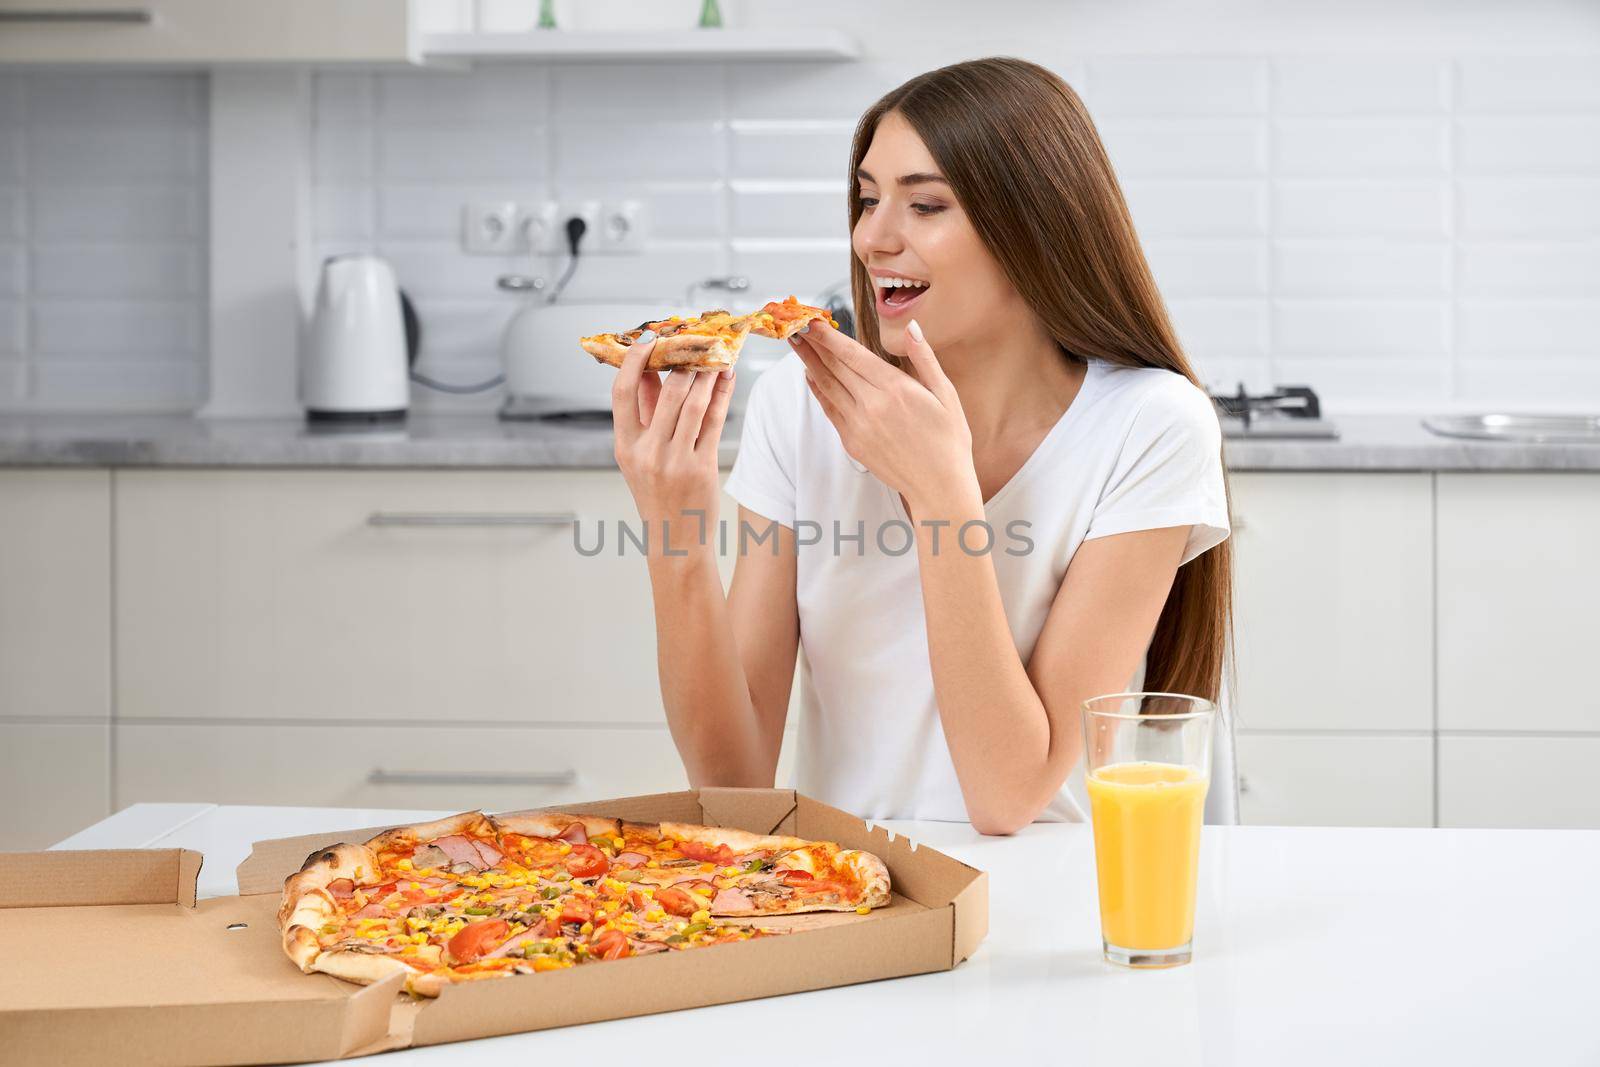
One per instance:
[(1013, 729), (728, 729), (727, 663)]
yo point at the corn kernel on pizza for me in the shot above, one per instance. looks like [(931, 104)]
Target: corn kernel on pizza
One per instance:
[(708, 341), (476, 896)]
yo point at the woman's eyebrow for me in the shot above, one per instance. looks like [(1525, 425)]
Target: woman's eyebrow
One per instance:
[(919, 178)]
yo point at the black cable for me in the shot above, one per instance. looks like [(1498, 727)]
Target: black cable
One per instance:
[(446, 387), (576, 228)]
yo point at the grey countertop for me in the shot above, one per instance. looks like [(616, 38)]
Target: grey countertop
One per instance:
[(1366, 442)]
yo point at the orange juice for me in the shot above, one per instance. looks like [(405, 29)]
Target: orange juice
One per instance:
[(1147, 851)]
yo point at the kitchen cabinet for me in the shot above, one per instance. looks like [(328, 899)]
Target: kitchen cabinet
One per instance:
[(395, 596), (1333, 601), (1335, 779), (385, 637), (1519, 782), (204, 31), (1519, 601), (55, 653), (55, 779), (55, 594), (1333, 635), (440, 766)]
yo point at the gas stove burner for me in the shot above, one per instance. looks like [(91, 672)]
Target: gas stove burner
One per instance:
[(1287, 411)]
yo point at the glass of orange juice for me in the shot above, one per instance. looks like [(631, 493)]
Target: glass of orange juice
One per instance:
[(1147, 765)]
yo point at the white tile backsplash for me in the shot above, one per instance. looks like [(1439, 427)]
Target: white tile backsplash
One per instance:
[(11, 204), (1199, 208), (1527, 145), (116, 271), (1360, 147), (1360, 85), (162, 329), (1361, 327), (1356, 220), (1553, 208), (1178, 85), (1208, 268), (102, 240), (1565, 269), (12, 318), (1513, 328), (126, 213), (13, 270), (1528, 84), (1338, 269), (789, 209), (1361, 209), (1141, 148)]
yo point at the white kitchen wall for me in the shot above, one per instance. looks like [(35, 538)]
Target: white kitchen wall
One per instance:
[(102, 240), (1411, 230), (1396, 201)]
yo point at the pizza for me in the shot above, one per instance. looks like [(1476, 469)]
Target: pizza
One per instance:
[(476, 896), (709, 341)]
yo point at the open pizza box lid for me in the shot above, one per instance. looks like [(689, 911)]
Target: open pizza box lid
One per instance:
[(132, 969)]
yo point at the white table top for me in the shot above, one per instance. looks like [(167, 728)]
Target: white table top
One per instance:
[(1312, 946)]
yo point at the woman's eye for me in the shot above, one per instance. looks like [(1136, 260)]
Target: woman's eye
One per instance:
[(927, 209), (867, 201)]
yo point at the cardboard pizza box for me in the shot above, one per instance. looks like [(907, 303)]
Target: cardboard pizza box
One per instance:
[(195, 986)]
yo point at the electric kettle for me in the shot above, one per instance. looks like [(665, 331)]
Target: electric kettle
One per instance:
[(357, 360)]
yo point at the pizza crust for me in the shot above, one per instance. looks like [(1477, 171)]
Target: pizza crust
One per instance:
[(686, 351), (307, 903), (738, 841), (468, 823), (364, 968), (552, 823)]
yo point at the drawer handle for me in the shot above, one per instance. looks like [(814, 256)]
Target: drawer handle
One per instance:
[(127, 15), (446, 518), (383, 777)]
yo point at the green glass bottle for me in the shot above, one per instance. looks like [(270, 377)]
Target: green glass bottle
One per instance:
[(710, 15), (547, 14)]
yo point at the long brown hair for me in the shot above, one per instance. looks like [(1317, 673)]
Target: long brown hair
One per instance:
[(1023, 157)]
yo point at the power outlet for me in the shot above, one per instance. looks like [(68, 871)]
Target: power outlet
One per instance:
[(555, 238), (538, 222), (622, 226), (492, 227)]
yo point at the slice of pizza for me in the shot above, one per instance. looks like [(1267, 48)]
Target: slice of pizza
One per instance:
[(784, 318), (710, 341)]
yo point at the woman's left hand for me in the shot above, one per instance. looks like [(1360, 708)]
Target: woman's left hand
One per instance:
[(908, 429)]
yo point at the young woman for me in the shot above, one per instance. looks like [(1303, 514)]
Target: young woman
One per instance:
[(1016, 373)]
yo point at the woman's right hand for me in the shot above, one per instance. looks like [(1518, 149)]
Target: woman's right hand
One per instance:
[(667, 432)]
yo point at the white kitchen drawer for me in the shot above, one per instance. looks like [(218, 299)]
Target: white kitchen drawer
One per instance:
[(55, 779), (395, 766), (269, 595), (1519, 600), (1334, 601), (390, 766), (55, 594), (1333, 780), (1544, 782), (203, 31)]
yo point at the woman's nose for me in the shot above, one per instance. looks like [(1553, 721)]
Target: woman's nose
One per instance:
[(876, 233)]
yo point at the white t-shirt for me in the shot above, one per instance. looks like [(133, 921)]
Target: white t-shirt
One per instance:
[(1139, 448)]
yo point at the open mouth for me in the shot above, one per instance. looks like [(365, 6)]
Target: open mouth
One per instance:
[(896, 294)]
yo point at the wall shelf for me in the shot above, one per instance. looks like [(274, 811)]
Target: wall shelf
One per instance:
[(661, 46)]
